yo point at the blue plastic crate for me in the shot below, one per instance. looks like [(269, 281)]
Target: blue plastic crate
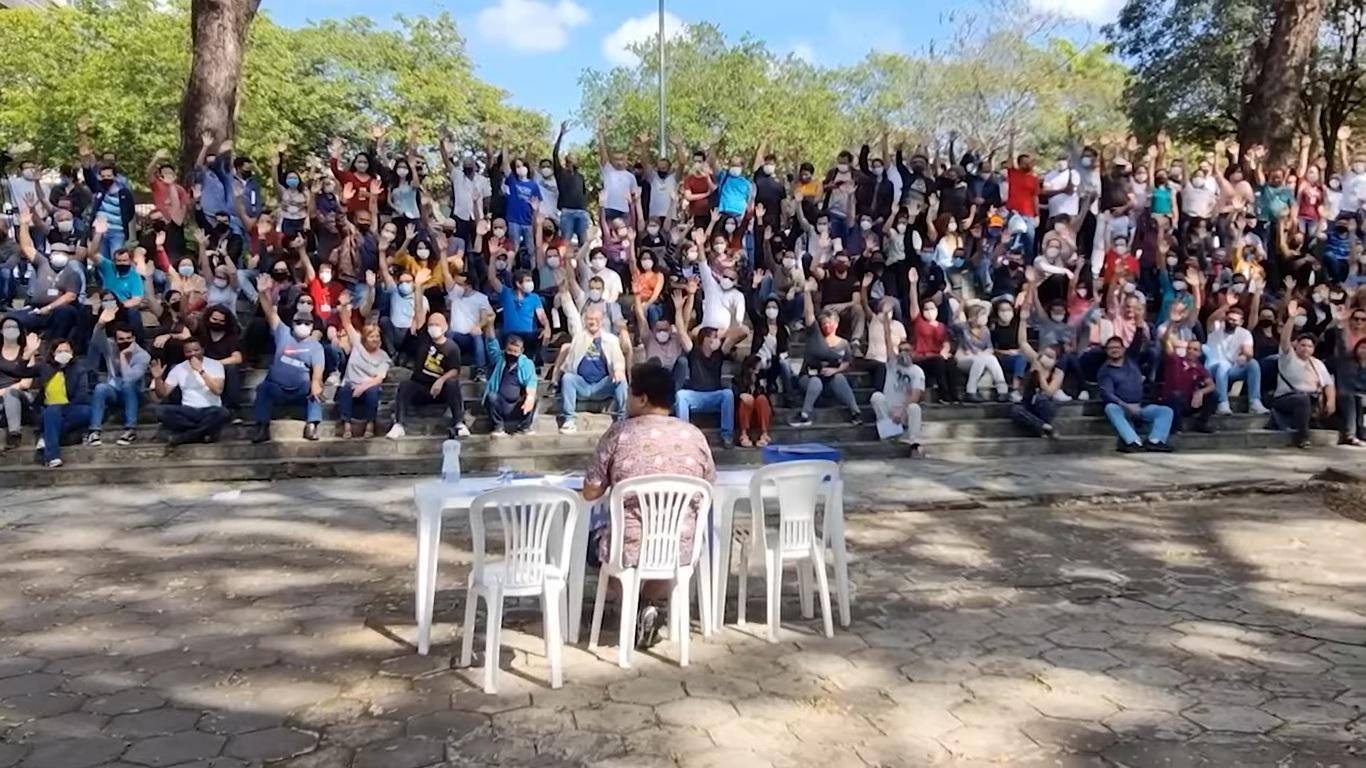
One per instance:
[(777, 454)]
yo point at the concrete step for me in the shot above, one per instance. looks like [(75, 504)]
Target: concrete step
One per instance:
[(379, 457)]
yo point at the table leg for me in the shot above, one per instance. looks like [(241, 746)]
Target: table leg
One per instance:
[(428, 549)]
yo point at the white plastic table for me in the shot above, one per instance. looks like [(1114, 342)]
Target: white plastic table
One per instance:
[(434, 498)]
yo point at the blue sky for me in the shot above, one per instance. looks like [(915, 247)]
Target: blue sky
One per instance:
[(536, 49)]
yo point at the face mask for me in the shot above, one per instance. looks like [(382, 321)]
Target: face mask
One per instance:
[(1179, 286), (185, 270), (62, 358), (58, 260), (324, 277), (867, 225), (1052, 251), (402, 173), (769, 168), (124, 344), (1121, 248), (553, 262), (599, 264), (842, 167), (424, 253), (653, 229), (292, 182), (1062, 165), (594, 294), (10, 333), (436, 332), (122, 269), (647, 265), (736, 170), (930, 314), (727, 283), (730, 226), (1171, 261), (1239, 287), (528, 286), (499, 232), (789, 263), (405, 289), (1320, 297), (523, 172), (500, 265), (719, 248), (876, 170), (363, 227), (662, 337), (302, 330), (771, 313), (547, 172), (1058, 317), (220, 282), (107, 183), (66, 226), (1006, 317), (1301, 321)]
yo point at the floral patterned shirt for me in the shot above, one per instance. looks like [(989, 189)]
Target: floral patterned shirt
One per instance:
[(647, 445)]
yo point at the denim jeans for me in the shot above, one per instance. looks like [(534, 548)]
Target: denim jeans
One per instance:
[(1225, 373), (721, 400), (112, 241), (523, 238), (471, 346), (57, 420), (839, 388), (573, 387), (268, 393), (111, 392), (574, 223), (58, 323), (1159, 416), (347, 402), (1035, 413)]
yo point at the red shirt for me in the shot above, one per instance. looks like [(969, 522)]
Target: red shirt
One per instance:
[(360, 184), (1023, 196), (927, 339), (1113, 259), (698, 185), (164, 193), (325, 298), (1181, 377)]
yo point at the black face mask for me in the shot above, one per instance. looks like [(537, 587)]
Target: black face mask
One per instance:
[(511, 358), (363, 228), (246, 175), (281, 277), (469, 172), (124, 344), (217, 326), (122, 269), (107, 183)]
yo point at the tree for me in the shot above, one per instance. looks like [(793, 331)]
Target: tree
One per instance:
[(218, 38), (1337, 83), (1272, 103)]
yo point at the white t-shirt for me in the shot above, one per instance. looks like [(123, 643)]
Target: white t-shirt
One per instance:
[(1297, 373), (194, 393), (901, 382), (1353, 191), (465, 310), (1223, 347), (1063, 203), (1199, 201), (719, 307), (662, 194), (878, 344), (465, 191), (618, 185), (550, 198)]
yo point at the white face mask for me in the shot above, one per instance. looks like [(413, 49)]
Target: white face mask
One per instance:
[(62, 358), (553, 262), (424, 253), (547, 172), (653, 229), (58, 260), (867, 225), (220, 282), (647, 265), (528, 286), (436, 332), (1052, 251), (769, 168), (302, 330), (953, 226), (1179, 286), (662, 337), (324, 277), (1301, 321), (789, 263), (842, 167), (727, 283), (66, 226), (599, 264), (1006, 317), (500, 265), (1062, 165), (10, 333), (1058, 317), (771, 313), (736, 170), (594, 294), (719, 248), (1121, 248)]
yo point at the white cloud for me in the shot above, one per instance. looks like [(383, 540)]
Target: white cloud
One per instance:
[(803, 50), (1093, 11), (530, 26), (616, 46)]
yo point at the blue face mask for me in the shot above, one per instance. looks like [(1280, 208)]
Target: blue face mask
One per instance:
[(405, 289), (292, 182)]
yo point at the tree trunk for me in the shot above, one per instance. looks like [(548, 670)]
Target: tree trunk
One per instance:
[(1271, 110), (218, 35)]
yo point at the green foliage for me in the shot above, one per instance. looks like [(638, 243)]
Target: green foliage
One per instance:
[(123, 64), (729, 96)]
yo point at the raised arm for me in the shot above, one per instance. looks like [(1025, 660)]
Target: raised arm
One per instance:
[(1288, 327)]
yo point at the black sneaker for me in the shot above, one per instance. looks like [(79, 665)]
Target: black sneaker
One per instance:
[(802, 420), (856, 419), (974, 398), (1154, 447), (1130, 448), (12, 440), (311, 431), (262, 434), (127, 438), (94, 438)]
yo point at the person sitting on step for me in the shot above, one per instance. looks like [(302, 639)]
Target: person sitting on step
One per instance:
[(827, 359), (124, 369), (1121, 386), (436, 375), (200, 415), (63, 386), (897, 404), (366, 368), (591, 365), (1304, 389), (1186, 383), (705, 392), (1042, 386), (295, 375), (510, 394)]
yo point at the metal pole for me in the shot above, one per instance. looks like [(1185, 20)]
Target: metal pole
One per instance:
[(662, 121)]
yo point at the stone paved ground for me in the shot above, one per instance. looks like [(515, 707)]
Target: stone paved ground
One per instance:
[(161, 627)]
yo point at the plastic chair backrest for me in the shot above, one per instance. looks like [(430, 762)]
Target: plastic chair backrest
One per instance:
[(664, 502), (800, 485), (529, 516)]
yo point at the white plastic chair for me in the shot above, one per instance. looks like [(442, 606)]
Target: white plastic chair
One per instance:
[(799, 486), (534, 519), (664, 502)]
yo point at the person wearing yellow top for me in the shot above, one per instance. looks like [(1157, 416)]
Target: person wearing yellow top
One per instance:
[(64, 383)]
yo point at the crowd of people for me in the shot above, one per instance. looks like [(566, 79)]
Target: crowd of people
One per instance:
[(1130, 275)]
